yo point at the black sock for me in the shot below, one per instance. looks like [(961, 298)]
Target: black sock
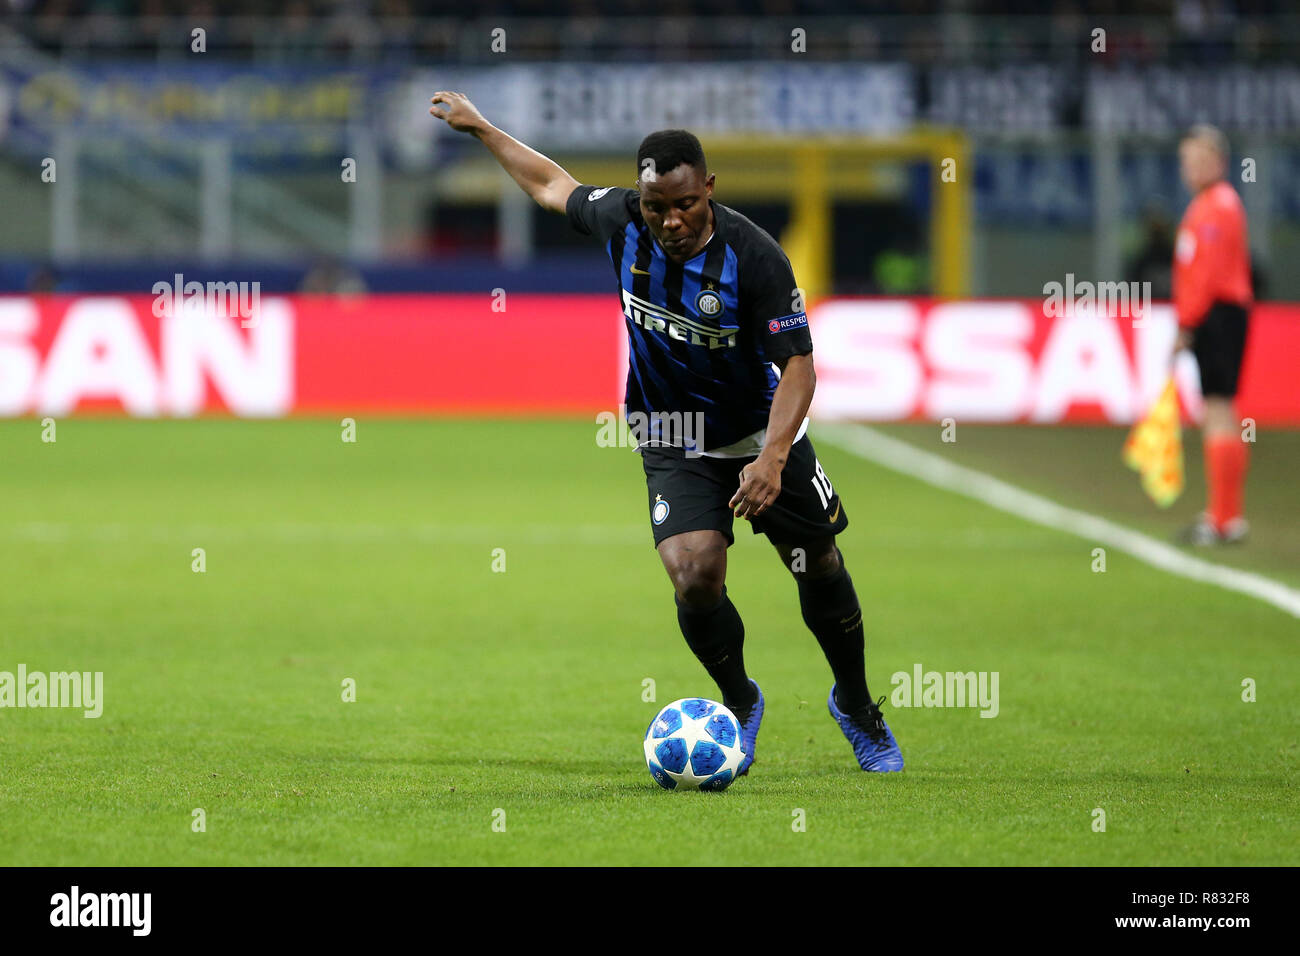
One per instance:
[(832, 612), (717, 636)]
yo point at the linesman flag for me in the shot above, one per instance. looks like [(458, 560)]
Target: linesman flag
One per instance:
[(1154, 449)]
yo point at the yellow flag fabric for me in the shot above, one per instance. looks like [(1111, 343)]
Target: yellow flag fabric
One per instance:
[(1154, 449)]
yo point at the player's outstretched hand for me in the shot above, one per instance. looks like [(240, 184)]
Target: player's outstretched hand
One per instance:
[(458, 112), (760, 484)]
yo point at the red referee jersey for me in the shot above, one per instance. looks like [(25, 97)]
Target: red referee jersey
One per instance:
[(1211, 257)]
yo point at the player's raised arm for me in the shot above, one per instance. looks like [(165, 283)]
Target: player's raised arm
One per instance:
[(545, 181)]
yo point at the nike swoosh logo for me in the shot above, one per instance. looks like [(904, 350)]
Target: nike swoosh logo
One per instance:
[(639, 272), (838, 505)]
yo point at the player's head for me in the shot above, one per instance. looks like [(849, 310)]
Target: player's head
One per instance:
[(675, 186), (1202, 157)]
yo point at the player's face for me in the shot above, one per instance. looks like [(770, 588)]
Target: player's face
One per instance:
[(1199, 164), (676, 208)]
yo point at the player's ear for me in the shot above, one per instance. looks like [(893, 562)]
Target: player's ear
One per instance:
[(708, 185)]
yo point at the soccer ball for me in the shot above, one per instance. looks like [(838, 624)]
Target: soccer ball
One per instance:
[(694, 744)]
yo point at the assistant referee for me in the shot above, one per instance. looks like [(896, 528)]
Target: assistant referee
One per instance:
[(1213, 297)]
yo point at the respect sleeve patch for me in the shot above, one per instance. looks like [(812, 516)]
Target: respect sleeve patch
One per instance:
[(796, 320)]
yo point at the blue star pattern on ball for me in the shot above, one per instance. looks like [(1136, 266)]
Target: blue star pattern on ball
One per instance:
[(694, 744)]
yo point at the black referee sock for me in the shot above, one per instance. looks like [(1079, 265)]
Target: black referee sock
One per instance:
[(717, 635), (832, 612)]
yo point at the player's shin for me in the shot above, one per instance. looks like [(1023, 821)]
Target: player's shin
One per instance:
[(716, 636), (831, 610)]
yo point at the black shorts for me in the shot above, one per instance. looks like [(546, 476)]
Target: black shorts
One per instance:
[(1218, 344), (692, 494)]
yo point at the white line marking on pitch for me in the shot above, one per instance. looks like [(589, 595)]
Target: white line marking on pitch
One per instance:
[(933, 469)]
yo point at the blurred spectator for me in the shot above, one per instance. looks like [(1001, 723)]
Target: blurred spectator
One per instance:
[(1151, 262), (899, 272), (43, 280), (332, 277)]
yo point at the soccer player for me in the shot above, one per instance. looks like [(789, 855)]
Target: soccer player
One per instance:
[(1212, 295), (711, 307)]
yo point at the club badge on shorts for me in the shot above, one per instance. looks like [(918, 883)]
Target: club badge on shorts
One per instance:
[(659, 513)]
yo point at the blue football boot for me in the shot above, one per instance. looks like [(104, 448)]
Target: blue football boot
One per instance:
[(866, 730), (750, 717)]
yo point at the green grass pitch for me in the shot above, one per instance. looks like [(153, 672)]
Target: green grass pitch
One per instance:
[(521, 691)]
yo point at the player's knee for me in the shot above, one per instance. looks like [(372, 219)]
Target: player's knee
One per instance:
[(820, 560), (1220, 416), (825, 563), (697, 579), (700, 587)]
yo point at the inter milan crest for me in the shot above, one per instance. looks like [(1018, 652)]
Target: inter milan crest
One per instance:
[(708, 303), (659, 513)]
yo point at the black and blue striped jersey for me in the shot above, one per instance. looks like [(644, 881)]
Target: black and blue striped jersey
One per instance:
[(701, 334)]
